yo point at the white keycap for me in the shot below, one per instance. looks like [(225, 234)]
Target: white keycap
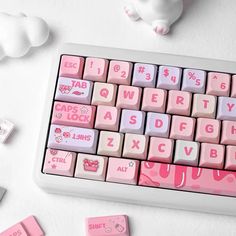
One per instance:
[(73, 138), (6, 128), (144, 75), (186, 153), (132, 121), (226, 108), (194, 81), (169, 78), (91, 167), (2, 192), (74, 90), (158, 124)]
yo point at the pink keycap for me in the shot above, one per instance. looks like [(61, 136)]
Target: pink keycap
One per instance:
[(74, 90), (73, 139), (27, 227), (122, 171), (179, 103), (107, 118), (144, 75), (169, 78), (161, 149), (218, 84), (59, 162), (182, 128), (212, 155), (107, 226), (120, 72), (233, 92), (228, 132), (95, 69), (73, 114), (154, 100), (188, 178), (230, 162), (208, 130), (128, 97), (71, 66)]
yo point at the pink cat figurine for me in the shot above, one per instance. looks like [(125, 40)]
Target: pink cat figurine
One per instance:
[(160, 14)]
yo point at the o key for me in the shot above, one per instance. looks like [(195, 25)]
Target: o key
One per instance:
[(71, 66), (120, 72), (95, 69)]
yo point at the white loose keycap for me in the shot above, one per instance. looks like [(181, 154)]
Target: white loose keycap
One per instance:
[(194, 81), (73, 139), (74, 90), (158, 124), (132, 121), (226, 108), (2, 192), (186, 152), (6, 128)]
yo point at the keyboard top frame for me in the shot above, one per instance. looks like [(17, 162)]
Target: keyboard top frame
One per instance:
[(113, 191)]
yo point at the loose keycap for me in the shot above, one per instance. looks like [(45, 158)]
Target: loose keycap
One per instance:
[(73, 139), (6, 129), (2, 192), (107, 225)]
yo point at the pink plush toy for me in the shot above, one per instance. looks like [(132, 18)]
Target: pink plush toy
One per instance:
[(160, 14)]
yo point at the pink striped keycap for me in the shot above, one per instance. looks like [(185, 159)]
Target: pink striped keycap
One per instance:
[(122, 171), (107, 226), (71, 66), (27, 227), (95, 69), (188, 178), (73, 114), (59, 162), (73, 139), (74, 90)]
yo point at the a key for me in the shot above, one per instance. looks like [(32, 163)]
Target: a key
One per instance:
[(2, 192), (59, 162), (226, 108), (72, 114), (233, 92), (230, 162), (121, 170), (74, 90), (71, 66), (228, 132), (73, 139), (91, 167), (6, 129)]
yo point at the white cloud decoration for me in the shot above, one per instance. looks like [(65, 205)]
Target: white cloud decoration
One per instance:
[(18, 33)]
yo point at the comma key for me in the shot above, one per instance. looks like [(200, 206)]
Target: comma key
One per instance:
[(73, 139)]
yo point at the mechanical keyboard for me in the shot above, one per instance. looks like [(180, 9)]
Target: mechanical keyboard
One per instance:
[(140, 127)]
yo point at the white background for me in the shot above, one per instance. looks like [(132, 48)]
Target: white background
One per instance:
[(207, 29)]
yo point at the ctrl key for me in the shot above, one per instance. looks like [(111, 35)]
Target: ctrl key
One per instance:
[(107, 226), (27, 227)]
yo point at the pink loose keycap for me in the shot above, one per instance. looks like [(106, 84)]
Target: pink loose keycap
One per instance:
[(188, 178), (95, 69), (59, 162), (218, 84), (122, 171), (73, 114), (107, 226), (71, 66), (27, 227), (120, 72)]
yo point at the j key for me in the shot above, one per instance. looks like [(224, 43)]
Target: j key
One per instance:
[(73, 114), (169, 78), (144, 75), (226, 108), (59, 162), (71, 66), (194, 81), (74, 90), (188, 178), (107, 225), (73, 139)]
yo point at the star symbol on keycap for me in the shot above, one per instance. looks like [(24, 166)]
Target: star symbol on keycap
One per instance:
[(131, 164), (54, 166)]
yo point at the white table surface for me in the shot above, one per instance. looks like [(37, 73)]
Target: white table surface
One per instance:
[(207, 29)]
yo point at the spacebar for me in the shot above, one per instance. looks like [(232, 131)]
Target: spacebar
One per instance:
[(194, 179)]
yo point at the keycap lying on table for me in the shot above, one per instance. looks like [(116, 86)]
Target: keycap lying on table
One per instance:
[(2, 192), (27, 227), (107, 225), (141, 127)]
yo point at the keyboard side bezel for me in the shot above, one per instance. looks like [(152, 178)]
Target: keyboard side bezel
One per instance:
[(113, 191)]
